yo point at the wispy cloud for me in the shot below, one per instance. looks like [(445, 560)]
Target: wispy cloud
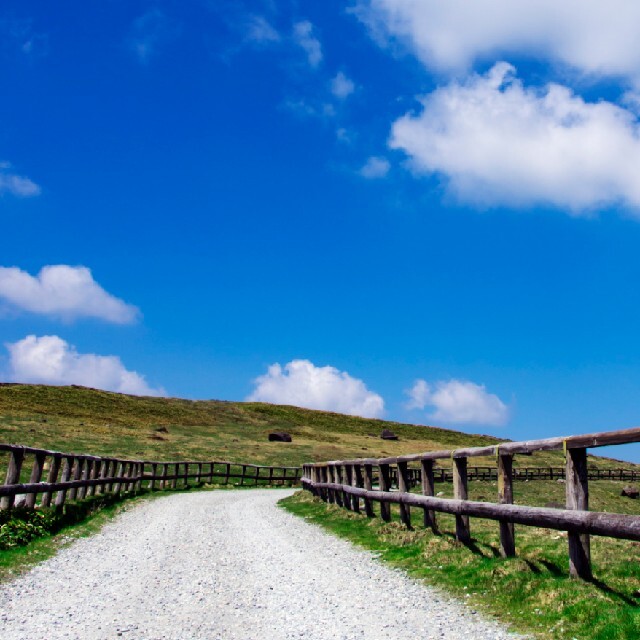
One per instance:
[(458, 402), (52, 360), (342, 86), (304, 37), (258, 30), (375, 167), (302, 384), (16, 185), (65, 292)]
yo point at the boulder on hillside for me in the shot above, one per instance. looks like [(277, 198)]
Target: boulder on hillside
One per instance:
[(387, 434), (279, 436), (630, 491)]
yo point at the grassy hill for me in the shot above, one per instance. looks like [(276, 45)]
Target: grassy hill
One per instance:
[(81, 420)]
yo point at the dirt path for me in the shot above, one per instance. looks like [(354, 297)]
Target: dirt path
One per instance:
[(224, 565)]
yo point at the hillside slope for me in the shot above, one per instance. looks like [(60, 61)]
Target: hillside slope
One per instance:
[(82, 420)]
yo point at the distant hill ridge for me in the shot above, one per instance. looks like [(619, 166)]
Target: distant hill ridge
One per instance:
[(84, 420)]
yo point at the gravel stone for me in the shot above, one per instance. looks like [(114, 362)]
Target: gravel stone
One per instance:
[(225, 565)]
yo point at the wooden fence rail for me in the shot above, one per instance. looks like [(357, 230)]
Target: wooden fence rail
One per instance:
[(354, 484), (522, 473), (56, 477)]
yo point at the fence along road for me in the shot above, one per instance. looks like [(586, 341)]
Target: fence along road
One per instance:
[(74, 477), (348, 482)]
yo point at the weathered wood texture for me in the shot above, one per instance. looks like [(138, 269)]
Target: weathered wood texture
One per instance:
[(75, 477), (346, 482)]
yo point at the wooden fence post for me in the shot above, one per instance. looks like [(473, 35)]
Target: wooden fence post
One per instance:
[(104, 473), (367, 482), (66, 474), (175, 469), (36, 476), (186, 475), (16, 458), (356, 481), (343, 475), (577, 486), (78, 464), (403, 487), (54, 469), (428, 489), (385, 484), (95, 473), (165, 472), (129, 475), (461, 492), (322, 475), (109, 470), (119, 473), (139, 472), (505, 496), (337, 479), (328, 478), (154, 473), (86, 474)]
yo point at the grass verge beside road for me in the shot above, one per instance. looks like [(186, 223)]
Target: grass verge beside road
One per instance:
[(532, 593)]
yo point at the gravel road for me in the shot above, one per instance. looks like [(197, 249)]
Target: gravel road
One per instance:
[(225, 565)]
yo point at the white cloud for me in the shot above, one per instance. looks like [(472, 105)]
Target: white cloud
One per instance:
[(375, 167), (590, 35), (63, 291), (458, 402), (259, 31), (302, 384), (16, 185), (498, 142), (51, 360), (303, 35), (342, 86)]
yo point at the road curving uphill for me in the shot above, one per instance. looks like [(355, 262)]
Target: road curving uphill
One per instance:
[(225, 565)]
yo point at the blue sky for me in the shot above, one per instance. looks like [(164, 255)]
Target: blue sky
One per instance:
[(420, 211)]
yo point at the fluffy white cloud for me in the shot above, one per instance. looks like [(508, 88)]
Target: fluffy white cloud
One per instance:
[(304, 37), (458, 402), (498, 142), (16, 185), (302, 384), (51, 360), (590, 35), (63, 291), (342, 86), (375, 167)]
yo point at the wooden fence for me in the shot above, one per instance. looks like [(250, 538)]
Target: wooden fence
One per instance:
[(74, 477), (355, 485), (522, 473)]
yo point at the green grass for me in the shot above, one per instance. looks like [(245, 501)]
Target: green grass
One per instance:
[(532, 593)]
